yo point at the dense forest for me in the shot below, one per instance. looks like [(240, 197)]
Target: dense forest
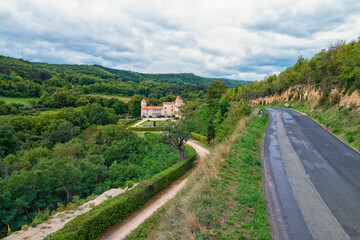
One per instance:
[(338, 66), (49, 160), (68, 144), (20, 78)]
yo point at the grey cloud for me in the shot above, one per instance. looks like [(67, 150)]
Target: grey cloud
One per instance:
[(146, 38), (304, 22)]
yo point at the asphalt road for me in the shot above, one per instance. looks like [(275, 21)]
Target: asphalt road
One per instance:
[(311, 180)]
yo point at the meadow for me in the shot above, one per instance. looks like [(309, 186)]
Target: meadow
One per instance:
[(24, 101)]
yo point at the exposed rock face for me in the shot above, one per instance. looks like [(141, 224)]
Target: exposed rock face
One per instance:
[(312, 94)]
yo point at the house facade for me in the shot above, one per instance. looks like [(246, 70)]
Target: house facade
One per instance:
[(168, 109)]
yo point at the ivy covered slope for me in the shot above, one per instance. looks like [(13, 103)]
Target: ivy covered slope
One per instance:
[(20, 78)]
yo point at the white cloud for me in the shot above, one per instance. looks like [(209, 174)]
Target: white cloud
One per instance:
[(236, 39)]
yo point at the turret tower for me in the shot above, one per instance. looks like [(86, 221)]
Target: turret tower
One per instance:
[(143, 103)]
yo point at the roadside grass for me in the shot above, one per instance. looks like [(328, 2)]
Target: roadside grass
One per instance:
[(343, 122), (24, 101), (223, 198), (124, 99)]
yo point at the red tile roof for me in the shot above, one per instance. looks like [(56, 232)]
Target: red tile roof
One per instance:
[(168, 103), (178, 100)]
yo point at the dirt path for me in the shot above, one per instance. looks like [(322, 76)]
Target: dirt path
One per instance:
[(125, 228), (58, 221)]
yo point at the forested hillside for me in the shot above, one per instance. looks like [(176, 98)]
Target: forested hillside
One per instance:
[(20, 78), (53, 159), (336, 67)]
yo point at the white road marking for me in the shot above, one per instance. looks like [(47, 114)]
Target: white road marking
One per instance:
[(304, 143), (321, 222)]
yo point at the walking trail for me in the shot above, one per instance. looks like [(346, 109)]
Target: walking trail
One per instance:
[(123, 229), (59, 220)]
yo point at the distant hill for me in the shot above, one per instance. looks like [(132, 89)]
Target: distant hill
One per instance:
[(231, 83), (21, 78)]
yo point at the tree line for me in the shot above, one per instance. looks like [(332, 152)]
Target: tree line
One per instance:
[(338, 66)]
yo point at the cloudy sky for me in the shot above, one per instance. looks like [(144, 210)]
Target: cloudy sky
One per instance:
[(229, 38)]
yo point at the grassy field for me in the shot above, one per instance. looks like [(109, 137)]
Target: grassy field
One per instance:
[(124, 99), (158, 123), (18, 100), (223, 198)]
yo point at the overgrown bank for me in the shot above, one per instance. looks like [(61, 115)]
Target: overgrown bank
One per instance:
[(224, 196)]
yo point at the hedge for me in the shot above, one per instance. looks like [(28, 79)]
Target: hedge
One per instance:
[(110, 212), (199, 137), (143, 129)]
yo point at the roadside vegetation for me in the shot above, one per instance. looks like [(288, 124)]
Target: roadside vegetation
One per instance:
[(223, 198), (335, 67)]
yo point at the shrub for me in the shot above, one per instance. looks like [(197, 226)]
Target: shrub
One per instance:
[(324, 99), (291, 95), (130, 184), (41, 215), (199, 137), (335, 99), (143, 129), (349, 137), (336, 130), (25, 227), (91, 224)]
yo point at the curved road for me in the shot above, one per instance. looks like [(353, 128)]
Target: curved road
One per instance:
[(311, 180)]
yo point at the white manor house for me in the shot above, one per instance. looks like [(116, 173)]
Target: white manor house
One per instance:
[(168, 109)]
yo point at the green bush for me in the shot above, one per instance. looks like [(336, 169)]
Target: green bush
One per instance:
[(349, 137), (91, 224), (40, 216), (130, 184), (143, 129), (336, 130), (25, 227), (199, 137)]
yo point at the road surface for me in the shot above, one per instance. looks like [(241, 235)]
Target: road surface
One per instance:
[(311, 180)]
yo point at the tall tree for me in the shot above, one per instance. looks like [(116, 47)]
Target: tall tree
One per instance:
[(177, 133), (210, 130), (135, 105), (214, 92), (8, 142)]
